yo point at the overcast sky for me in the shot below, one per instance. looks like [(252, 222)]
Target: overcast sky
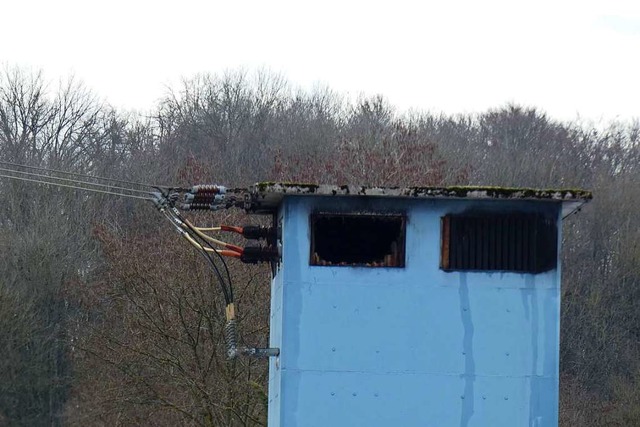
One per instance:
[(568, 58)]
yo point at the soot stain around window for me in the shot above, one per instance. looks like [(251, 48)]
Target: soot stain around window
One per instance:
[(517, 242), (365, 240)]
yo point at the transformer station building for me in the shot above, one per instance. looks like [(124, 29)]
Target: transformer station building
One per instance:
[(415, 306)]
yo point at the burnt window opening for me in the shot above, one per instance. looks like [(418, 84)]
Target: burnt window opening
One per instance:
[(526, 243), (365, 240)]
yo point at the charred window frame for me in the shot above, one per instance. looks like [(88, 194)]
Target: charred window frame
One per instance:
[(514, 242), (357, 240)]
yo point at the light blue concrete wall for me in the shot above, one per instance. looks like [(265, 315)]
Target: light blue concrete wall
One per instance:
[(413, 346), (275, 341)]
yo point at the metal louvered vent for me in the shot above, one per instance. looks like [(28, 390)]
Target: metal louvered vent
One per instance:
[(524, 243)]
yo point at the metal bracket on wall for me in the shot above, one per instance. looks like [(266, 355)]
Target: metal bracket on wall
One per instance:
[(261, 353)]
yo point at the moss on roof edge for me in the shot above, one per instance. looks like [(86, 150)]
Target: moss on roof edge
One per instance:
[(494, 192)]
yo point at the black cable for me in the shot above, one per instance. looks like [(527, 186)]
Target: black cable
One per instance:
[(224, 263), (227, 298), (196, 237), (228, 294), (212, 264)]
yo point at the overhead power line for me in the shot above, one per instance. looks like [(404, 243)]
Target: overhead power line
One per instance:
[(58, 184), (101, 178), (96, 184)]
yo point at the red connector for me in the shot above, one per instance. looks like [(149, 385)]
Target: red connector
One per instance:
[(234, 248), (231, 228), (233, 254)]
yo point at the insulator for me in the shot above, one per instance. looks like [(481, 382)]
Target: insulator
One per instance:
[(231, 338), (208, 188), (205, 197), (256, 254), (258, 232)]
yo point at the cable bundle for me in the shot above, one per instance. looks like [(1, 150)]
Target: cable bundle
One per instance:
[(165, 199)]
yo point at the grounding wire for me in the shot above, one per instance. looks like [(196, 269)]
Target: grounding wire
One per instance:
[(95, 190), (114, 187), (80, 174)]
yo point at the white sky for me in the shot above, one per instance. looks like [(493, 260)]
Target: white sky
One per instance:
[(568, 58)]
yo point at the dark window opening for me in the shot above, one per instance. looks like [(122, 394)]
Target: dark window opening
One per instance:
[(524, 243), (365, 240)]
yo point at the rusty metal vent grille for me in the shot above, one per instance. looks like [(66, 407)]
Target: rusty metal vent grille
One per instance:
[(357, 240), (524, 243)]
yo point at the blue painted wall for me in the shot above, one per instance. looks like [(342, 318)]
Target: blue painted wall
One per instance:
[(413, 346)]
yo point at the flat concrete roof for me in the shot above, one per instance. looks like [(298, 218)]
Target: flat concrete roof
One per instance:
[(267, 196)]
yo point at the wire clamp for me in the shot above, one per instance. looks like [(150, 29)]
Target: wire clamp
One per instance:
[(159, 201)]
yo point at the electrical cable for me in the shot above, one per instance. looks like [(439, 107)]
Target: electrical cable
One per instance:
[(76, 187), (191, 233), (81, 175), (162, 199), (224, 252), (213, 240), (230, 332), (231, 228), (114, 187), (251, 232), (224, 263), (221, 228), (208, 228), (177, 220)]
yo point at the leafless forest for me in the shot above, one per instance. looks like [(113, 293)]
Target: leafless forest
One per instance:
[(108, 318)]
